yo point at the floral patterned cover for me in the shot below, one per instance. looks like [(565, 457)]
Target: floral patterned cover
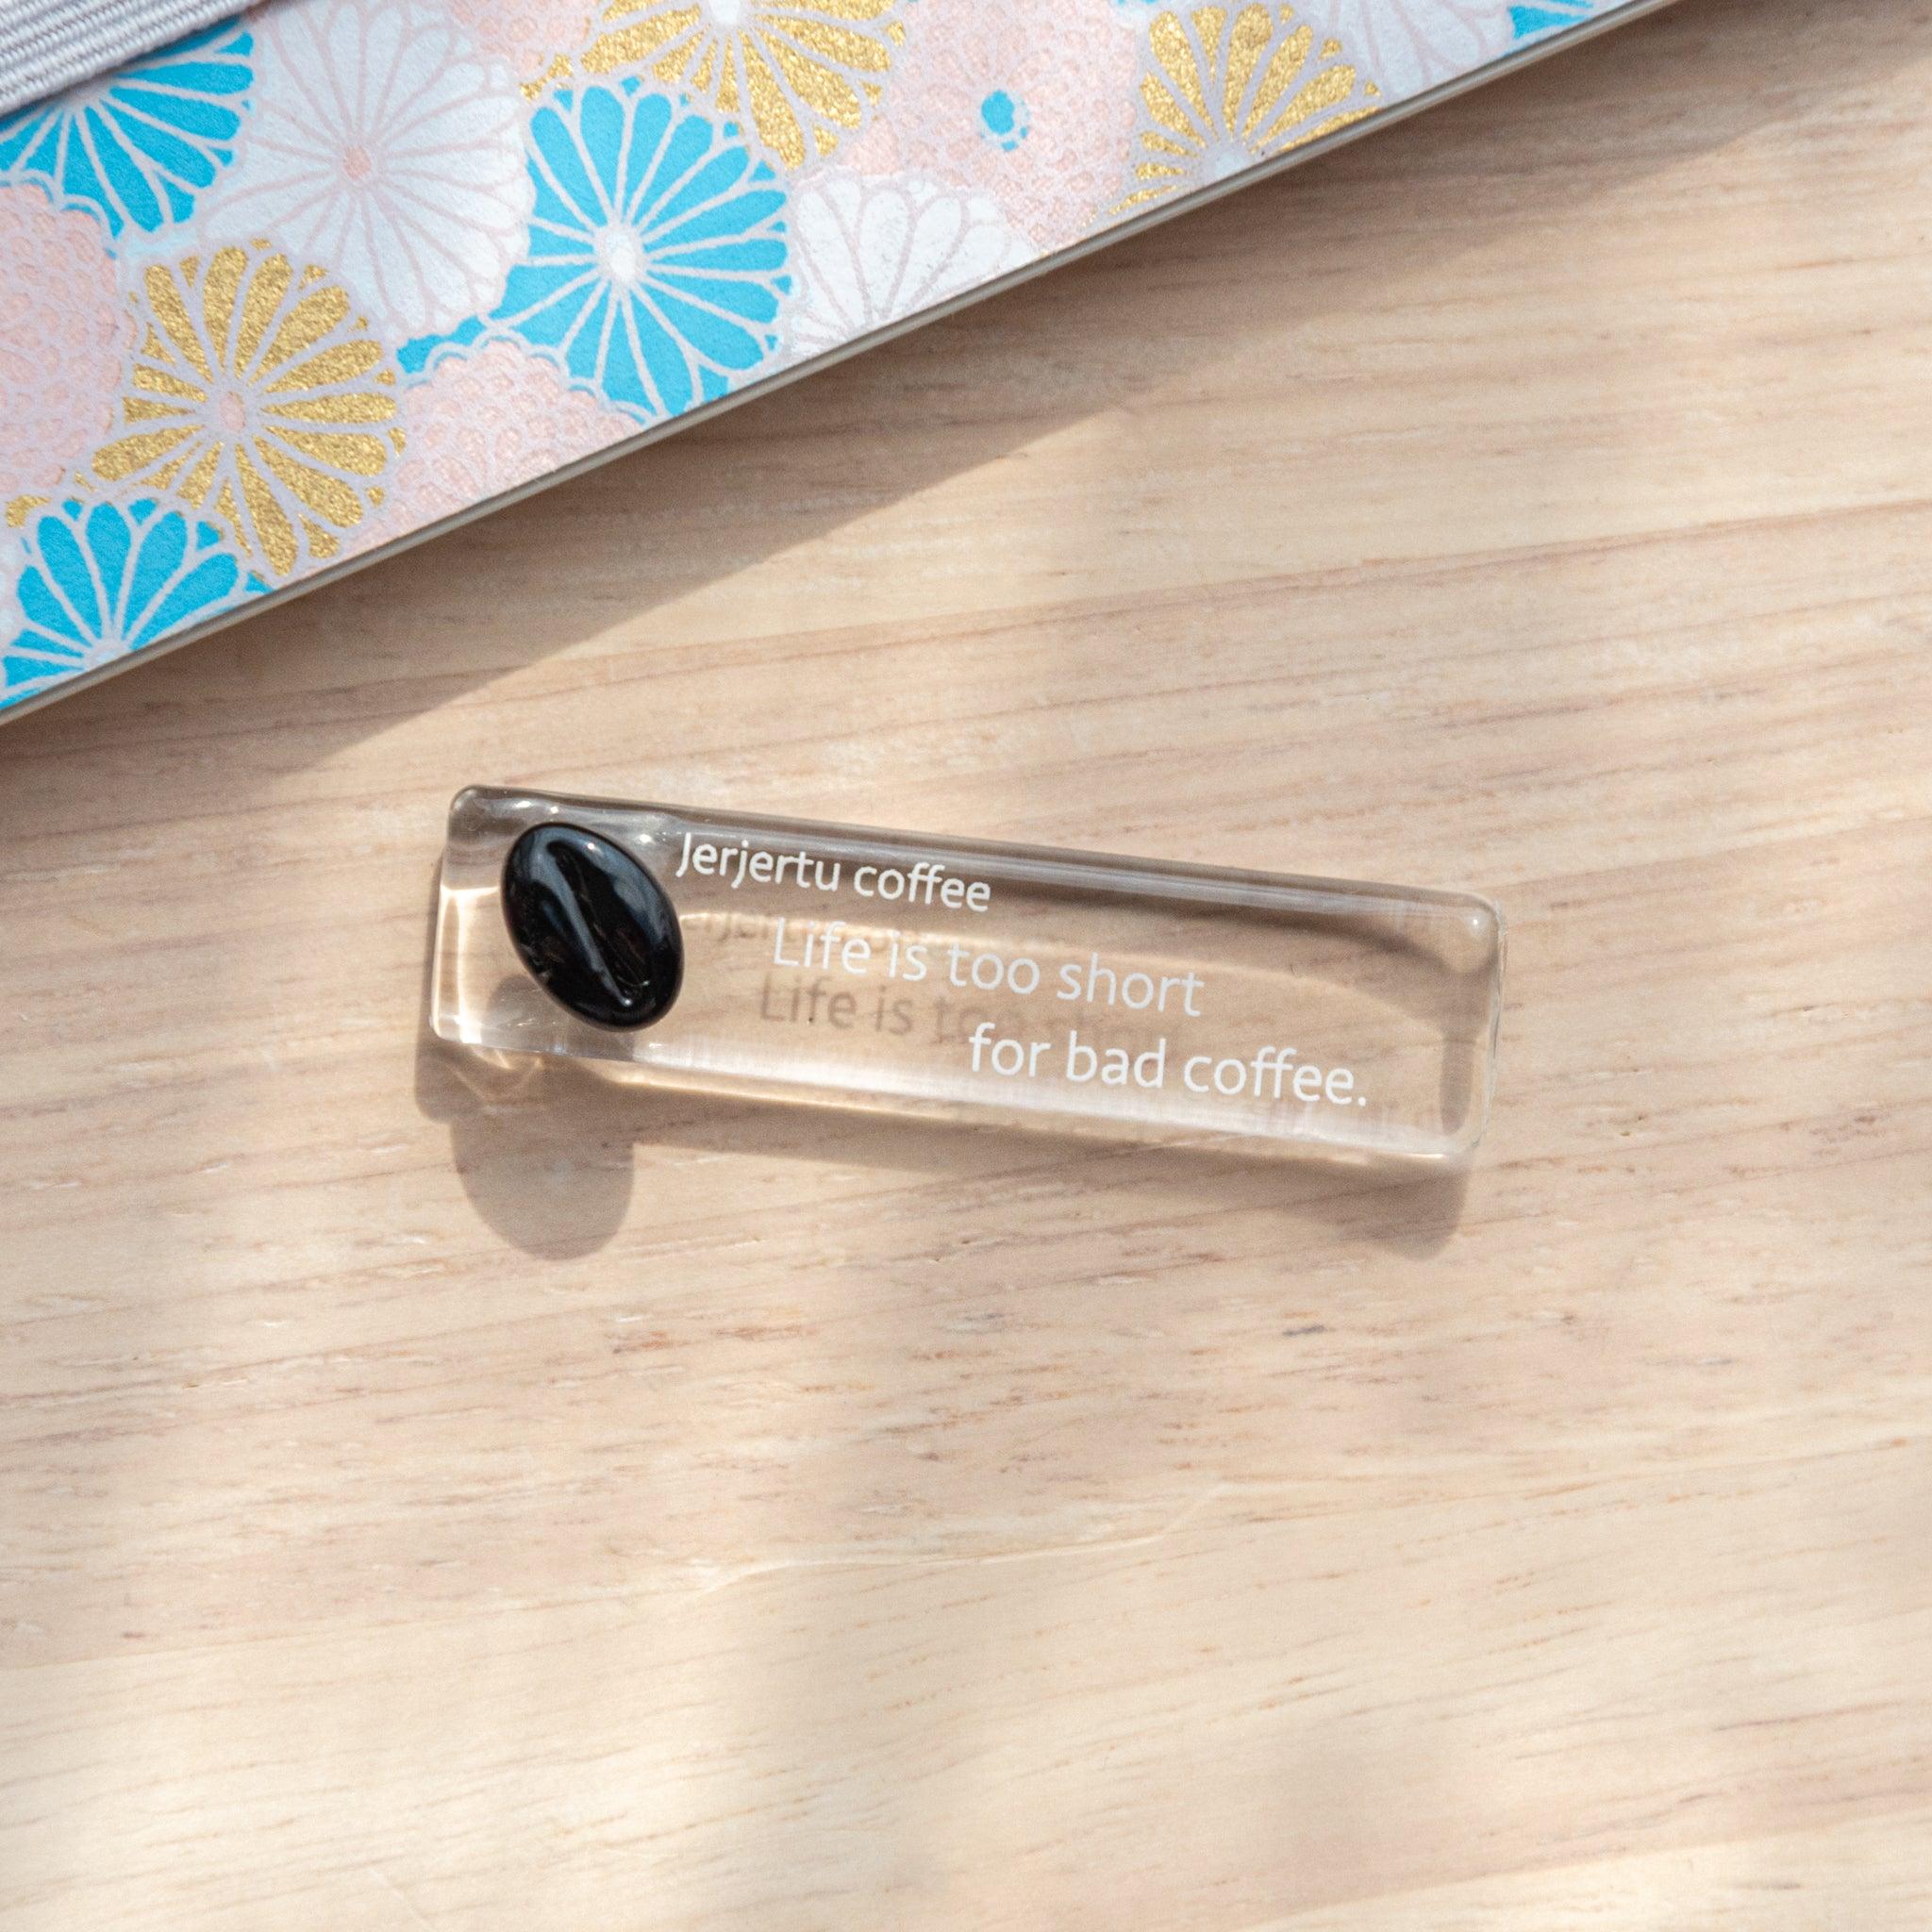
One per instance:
[(334, 269)]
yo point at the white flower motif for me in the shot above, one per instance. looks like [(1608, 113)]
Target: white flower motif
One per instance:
[(380, 146), (13, 561), (868, 251), (1408, 45)]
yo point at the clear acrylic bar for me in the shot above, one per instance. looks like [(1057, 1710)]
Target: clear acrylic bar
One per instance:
[(826, 963)]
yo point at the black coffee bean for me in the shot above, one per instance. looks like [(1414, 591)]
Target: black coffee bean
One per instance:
[(592, 926)]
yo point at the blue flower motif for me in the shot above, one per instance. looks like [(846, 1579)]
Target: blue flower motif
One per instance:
[(137, 145), (1003, 120), (654, 266), (1544, 16), (101, 582)]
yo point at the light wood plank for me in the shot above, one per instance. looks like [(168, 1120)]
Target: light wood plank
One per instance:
[(431, 1502)]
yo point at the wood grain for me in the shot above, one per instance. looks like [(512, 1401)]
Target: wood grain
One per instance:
[(431, 1505)]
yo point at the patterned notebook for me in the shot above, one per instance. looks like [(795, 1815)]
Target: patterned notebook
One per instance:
[(322, 276)]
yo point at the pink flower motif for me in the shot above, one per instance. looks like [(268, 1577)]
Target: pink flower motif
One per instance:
[(526, 35), (479, 426), (1030, 104), (64, 332)]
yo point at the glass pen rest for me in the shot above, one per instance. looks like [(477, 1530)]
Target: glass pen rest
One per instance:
[(828, 964)]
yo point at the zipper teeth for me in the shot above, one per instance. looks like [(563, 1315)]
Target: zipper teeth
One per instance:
[(46, 45)]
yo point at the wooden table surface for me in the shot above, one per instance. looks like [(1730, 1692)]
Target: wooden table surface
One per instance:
[(519, 1507)]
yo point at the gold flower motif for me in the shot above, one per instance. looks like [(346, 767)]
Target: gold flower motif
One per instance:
[(807, 72), (1227, 87), (258, 398)]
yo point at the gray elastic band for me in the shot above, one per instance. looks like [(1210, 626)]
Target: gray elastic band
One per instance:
[(49, 45)]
